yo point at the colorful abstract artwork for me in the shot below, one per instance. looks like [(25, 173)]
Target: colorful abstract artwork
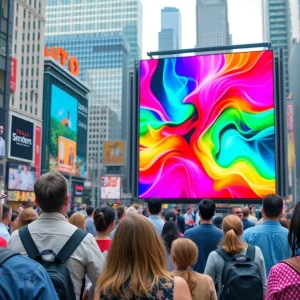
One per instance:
[(207, 127)]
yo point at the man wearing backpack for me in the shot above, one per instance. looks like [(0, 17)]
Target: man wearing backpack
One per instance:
[(45, 238)]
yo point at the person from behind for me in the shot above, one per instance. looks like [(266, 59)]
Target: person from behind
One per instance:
[(135, 266), (231, 246), (89, 222), (154, 208), (180, 220), (206, 236), (83, 210), (14, 220), (6, 217), (131, 211), (218, 222), (270, 236), (246, 223), (51, 231), (23, 278), (104, 220), (120, 216), (169, 234), (185, 254), (78, 220), (27, 216), (284, 278)]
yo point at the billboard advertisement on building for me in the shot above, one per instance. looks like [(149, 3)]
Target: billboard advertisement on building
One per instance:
[(110, 187), (38, 151), (21, 139), (291, 147), (20, 196), (13, 75), (68, 123), (114, 153), (2, 133)]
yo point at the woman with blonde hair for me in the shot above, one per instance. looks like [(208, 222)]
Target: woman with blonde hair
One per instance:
[(135, 266), (232, 246), (27, 216), (184, 253), (78, 220)]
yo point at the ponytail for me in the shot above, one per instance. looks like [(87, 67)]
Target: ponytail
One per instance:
[(231, 243), (188, 275)]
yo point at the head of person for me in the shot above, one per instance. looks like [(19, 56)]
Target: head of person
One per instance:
[(237, 211), (78, 220), (104, 218), (83, 207), (170, 231), (51, 193), (218, 222), (120, 212), (1, 129), (189, 211), (207, 209), (185, 254), (130, 211), (137, 254), (272, 207), (14, 220), (294, 230), (20, 209), (233, 230), (246, 212), (27, 216), (170, 215), (6, 214), (90, 211), (154, 206)]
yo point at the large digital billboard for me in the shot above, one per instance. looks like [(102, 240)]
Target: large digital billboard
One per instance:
[(68, 131), (207, 127), (110, 187)]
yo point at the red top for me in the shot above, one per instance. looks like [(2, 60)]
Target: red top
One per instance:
[(103, 245), (3, 242)]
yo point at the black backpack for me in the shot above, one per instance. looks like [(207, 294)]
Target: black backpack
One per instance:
[(57, 271), (241, 278)]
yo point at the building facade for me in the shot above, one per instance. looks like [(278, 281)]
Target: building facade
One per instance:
[(277, 30), (212, 23), (169, 38)]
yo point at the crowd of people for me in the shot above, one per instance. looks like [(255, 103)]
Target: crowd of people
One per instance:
[(130, 253)]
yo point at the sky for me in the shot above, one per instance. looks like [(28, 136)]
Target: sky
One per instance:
[(245, 22)]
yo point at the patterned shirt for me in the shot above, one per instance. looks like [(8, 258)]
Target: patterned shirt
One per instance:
[(283, 283)]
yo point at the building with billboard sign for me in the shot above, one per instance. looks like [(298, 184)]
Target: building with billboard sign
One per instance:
[(110, 187), (114, 153), (65, 122)]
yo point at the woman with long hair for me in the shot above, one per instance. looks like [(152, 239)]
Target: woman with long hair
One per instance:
[(185, 254), (233, 245), (135, 266), (104, 220), (78, 220), (284, 278)]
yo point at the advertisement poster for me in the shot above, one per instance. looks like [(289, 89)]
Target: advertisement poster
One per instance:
[(110, 187), (114, 153), (21, 139), (21, 177), (2, 133), (13, 74), (20, 196), (68, 133), (37, 152)]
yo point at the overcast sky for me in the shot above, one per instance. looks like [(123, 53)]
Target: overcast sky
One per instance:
[(245, 21)]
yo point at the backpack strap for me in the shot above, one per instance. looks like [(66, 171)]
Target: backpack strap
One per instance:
[(29, 245), (5, 254), (224, 255), (294, 263), (251, 252), (71, 245)]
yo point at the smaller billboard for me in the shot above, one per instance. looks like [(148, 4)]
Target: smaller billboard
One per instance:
[(66, 155), (13, 74), (110, 187), (2, 133), (114, 153), (21, 177), (20, 196)]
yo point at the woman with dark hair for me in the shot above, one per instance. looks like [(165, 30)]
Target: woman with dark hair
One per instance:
[(104, 220), (284, 278)]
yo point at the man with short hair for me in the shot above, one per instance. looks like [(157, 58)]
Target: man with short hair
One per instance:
[(52, 230), (206, 236), (270, 236), (246, 223), (154, 208), (89, 222), (5, 221)]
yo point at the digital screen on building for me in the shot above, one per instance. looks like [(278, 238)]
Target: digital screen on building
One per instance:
[(3, 131), (68, 133), (114, 153), (21, 177), (207, 127), (110, 187)]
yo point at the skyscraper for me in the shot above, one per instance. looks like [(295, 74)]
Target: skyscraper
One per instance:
[(169, 38), (212, 23), (277, 30)]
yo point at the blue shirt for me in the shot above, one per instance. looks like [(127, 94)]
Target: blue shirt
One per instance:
[(90, 226), (207, 237), (23, 278), (272, 239), (247, 224), (157, 222)]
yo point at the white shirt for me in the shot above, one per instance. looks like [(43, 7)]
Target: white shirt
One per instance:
[(50, 232), (4, 232), (2, 147)]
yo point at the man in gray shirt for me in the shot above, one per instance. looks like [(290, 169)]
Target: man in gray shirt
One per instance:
[(154, 207)]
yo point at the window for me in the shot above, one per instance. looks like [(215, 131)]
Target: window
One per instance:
[(4, 9), (2, 47), (2, 80)]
